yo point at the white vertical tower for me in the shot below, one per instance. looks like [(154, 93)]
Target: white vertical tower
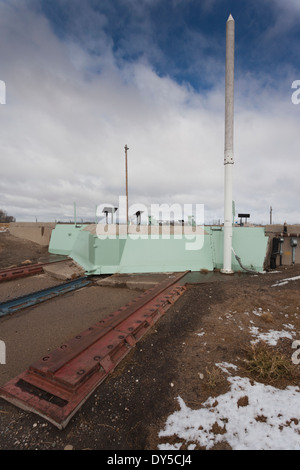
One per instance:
[(228, 150)]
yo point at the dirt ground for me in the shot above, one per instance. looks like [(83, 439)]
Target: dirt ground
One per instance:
[(16, 251), (213, 322)]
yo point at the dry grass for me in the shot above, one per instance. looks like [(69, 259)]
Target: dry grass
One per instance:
[(266, 363), (214, 377), (267, 317)]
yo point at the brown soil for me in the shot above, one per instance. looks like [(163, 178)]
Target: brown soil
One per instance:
[(210, 324), (16, 251)]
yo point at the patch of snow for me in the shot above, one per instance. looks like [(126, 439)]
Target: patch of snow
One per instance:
[(224, 366), (285, 281), (270, 337), (280, 284), (271, 272), (269, 419), (257, 311), (191, 447), (289, 326), (170, 446)]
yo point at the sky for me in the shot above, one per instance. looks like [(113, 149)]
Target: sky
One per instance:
[(85, 78)]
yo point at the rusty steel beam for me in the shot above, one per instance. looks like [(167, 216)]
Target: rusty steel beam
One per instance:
[(9, 274), (57, 385), (13, 273)]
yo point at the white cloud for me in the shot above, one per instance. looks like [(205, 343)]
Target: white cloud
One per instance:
[(287, 16), (64, 128)]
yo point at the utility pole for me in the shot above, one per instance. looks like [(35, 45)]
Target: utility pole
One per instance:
[(271, 215), (126, 176), (228, 150)]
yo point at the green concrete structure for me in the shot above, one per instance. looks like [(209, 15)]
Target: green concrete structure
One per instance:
[(109, 249)]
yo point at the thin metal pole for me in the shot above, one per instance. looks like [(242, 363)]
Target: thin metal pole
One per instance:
[(126, 176), (228, 151)]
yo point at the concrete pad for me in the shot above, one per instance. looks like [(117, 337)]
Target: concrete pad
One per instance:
[(33, 332), (65, 270), (134, 281), (26, 285)]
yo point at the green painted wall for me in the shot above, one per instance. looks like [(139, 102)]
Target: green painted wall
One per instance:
[(249, 243), (63, 238), (160, 253)]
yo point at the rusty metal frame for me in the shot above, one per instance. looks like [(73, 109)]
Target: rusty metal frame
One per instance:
[(57, 385), (13, 273), (8, 274)]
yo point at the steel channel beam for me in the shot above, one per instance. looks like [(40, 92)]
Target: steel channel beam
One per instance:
[(19, 303), (56, 386), (9, 274), (14, 273)]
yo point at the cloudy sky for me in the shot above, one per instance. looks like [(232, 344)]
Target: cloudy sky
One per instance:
[(84, 78)]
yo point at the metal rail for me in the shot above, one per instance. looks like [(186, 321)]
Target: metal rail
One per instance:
[(28, 300), (56, 386), (9, 274), (13, 273)]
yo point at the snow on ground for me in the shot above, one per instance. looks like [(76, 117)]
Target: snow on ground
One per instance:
[(285, 281), (250, 416), (270, 337)]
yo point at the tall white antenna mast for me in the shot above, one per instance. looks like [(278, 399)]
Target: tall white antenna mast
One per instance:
[(228, 150)]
